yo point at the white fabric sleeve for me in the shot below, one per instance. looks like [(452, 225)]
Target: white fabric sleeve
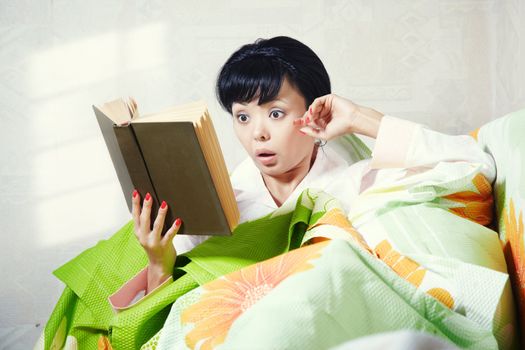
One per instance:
[(405, 144)]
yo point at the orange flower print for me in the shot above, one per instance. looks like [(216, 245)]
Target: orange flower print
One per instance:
[(478, 206), (403, 266), (336, 217), (474, 134), (104, 344), (410, 270), (515, 255), (226, 298)]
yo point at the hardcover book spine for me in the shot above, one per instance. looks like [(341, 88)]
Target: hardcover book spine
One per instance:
[(126, 157), (135, 168)]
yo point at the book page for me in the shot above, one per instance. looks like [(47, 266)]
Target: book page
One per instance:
[(187, 112), (117, 111)]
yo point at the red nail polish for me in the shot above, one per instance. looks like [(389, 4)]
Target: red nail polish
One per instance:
[(310, 110), (163, 205), (307, 119), (148, 197), (178, 222), (135, 193)]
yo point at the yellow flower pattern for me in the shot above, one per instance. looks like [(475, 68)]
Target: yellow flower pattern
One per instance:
[(226, 298), (477, 206), (474, 134), (411, 271), (514, 250), (402, 265), (336, 217), (104, 344)]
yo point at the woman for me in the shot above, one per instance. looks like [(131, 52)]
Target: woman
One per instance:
[(278, 93)]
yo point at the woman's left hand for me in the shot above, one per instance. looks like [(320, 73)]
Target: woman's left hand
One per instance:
[(331, 116)]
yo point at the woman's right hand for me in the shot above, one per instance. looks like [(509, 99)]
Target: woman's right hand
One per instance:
[(160, 250), (331, 116)]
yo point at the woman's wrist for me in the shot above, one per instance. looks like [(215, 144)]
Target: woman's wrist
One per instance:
[(367, 121), (157, 274)]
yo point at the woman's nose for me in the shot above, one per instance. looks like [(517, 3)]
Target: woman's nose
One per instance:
[(260, 132)]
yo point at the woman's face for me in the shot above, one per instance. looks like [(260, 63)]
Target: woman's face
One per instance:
[(268, 134)]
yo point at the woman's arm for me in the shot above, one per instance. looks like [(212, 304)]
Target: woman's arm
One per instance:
[(404, 144), (136, 289), (399, 143), (159, 249), (366, 122)]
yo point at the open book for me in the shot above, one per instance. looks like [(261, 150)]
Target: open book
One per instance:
[(176, 157)]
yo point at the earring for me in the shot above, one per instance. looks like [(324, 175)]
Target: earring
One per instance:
[(320, 142)]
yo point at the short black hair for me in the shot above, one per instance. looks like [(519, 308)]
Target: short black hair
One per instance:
[(259, 69)]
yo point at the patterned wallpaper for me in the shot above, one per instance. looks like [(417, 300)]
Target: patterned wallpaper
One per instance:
[(451, 64)]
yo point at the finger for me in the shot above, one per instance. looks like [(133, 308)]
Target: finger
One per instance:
[(323, 118), (158, 225), (314, 115), (300, 121), (317, 105), (308, 122), (308, 130), (135, 210), (315, 125), (145, 215), (172, 232)]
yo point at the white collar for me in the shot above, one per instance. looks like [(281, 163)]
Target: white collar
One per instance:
[(248, 183)]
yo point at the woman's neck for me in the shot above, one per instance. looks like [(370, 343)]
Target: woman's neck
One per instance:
[(282, 185)]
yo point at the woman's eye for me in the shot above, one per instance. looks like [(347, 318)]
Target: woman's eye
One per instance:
[(243, 118), (276, 114)]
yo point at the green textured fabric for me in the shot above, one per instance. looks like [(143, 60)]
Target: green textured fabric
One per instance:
[(348, 293), (504, 139), (352, 295), (84, 312), (251, 242)]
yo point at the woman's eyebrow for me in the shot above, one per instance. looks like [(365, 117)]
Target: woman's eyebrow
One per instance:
[(276, 100), (283, 100)]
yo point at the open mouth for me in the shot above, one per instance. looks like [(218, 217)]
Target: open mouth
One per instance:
[(267, 158), (263, 155)]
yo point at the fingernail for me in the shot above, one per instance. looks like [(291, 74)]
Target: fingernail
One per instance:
[(308, 119), (135, 193), (178, 222), (163, 205), (302, 132), (310, 110), (148, 196)]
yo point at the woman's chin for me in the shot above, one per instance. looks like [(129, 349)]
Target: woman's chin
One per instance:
[(271, 170)]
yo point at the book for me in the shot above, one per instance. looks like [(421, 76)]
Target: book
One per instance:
[(175, 156)]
